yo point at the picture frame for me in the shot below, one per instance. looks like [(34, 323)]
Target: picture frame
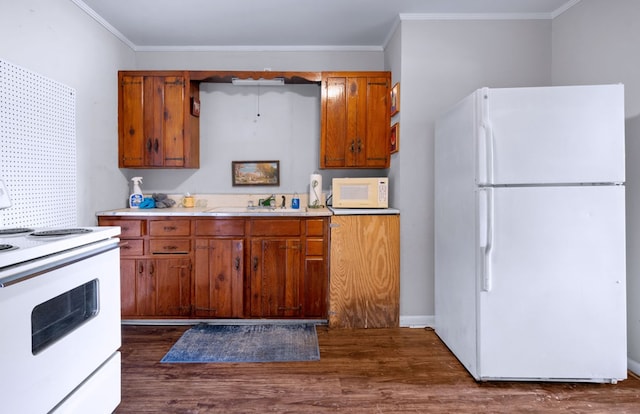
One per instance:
[(254, 173), (394, 138), (395, 99)]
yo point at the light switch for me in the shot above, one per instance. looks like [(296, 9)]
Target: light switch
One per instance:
[(5, 201)]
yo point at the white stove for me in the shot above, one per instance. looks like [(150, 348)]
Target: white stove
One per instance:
[(31, 244), (60, 318)]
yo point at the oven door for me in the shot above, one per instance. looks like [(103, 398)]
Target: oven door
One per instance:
[(60, 322)]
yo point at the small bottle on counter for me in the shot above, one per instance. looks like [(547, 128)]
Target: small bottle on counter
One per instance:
[(136, 197), (295, 201)]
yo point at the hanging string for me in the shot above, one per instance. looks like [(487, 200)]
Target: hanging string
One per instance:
[(258, 104)]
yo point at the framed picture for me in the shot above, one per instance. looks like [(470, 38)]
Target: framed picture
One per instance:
[(395, 99), (394, 137), (255, 173)]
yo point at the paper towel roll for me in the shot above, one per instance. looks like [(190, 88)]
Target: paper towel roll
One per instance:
[(315, 191)]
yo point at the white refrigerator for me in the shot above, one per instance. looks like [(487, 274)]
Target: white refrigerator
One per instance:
[(530, 275)]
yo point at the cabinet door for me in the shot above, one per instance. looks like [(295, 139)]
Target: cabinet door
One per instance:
[(276, 270), (155, 287), (172, 279), (377, 147), (218, 290), (131, 136), (334, 150), (355, 121), (128, 277), (172, 140), (152, 121)]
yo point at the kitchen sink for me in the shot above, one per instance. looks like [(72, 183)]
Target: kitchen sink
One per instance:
[(258, 210)]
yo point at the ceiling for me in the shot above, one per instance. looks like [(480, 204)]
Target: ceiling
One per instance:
[(289, 24)]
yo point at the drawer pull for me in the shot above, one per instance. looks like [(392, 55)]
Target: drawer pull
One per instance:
[(255, 264), (169, 228), (237, 263)]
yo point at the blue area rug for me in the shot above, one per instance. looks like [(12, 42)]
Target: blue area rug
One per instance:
[(246, 343)]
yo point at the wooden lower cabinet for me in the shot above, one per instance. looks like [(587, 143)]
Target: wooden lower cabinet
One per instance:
[(155, 287), (276, 271), (218, 278), (223, 267)]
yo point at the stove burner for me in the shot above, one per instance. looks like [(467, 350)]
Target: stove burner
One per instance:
[(8, 232), (60, 232), (6, 247)]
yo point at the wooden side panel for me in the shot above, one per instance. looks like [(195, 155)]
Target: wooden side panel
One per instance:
[(365, 271)]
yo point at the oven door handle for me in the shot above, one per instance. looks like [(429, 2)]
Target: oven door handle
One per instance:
[(24, 271)]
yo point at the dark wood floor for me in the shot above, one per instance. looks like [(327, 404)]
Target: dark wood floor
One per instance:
[(360, 371)]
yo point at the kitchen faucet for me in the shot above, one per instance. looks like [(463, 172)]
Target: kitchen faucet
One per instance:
[(267, 202)]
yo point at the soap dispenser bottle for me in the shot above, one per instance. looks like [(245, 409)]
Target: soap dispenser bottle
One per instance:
[(136, 197)]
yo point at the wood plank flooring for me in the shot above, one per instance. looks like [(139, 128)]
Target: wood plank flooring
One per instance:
[(360, 371)]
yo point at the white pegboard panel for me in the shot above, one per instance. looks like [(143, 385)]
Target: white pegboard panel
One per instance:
[(37, 149)]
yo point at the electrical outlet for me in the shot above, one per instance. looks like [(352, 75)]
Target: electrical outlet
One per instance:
[(5, 201)]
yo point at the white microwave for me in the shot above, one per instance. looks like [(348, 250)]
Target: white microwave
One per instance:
[(368, 192)]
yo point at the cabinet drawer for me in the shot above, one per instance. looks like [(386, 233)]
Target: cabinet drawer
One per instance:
[(219, 227), (315, 227), (170, 246), (275, 227), (132, 248), (315, 247), (128, 228), (169, 228)]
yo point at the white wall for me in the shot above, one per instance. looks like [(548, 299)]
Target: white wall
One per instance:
[(442, 61), (57, 39), (598, 42)]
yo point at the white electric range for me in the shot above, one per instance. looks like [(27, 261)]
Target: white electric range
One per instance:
[(60, 320)]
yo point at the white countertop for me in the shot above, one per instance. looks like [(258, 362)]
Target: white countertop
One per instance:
[(215, 212), (363, 211)]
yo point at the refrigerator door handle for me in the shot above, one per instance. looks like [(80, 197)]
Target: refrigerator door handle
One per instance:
[(485, 212), (485, 140)]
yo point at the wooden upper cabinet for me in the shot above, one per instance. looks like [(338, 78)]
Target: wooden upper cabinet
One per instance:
[(157, 128), (355, 120)]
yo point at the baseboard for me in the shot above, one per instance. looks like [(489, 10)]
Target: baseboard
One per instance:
[(633, 366), (417, 321)]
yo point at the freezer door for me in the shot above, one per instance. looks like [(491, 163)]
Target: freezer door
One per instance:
[(552, 305), (564, 134)]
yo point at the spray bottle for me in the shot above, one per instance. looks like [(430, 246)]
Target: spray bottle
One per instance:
[(136, 197)]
